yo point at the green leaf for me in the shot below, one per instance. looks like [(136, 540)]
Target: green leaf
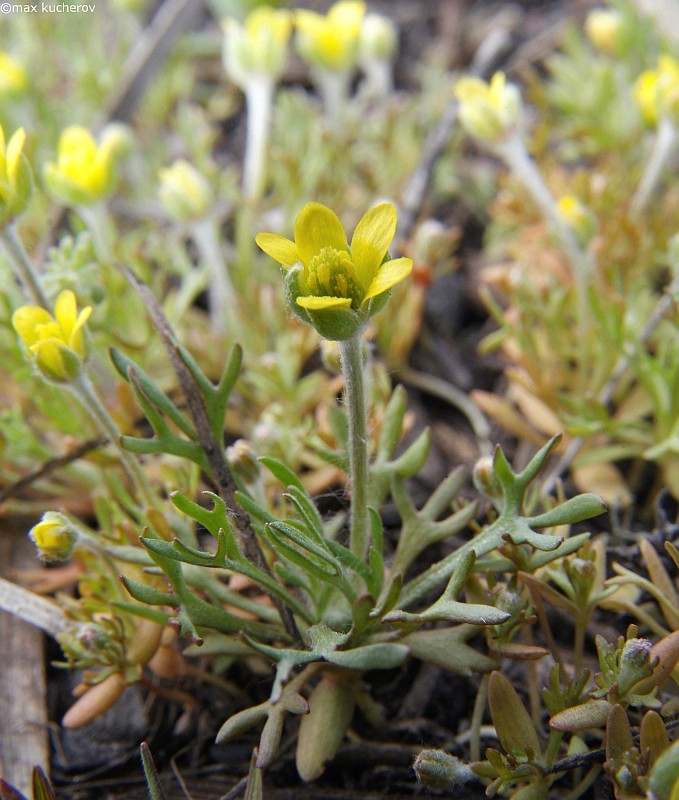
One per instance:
[(144, 383), (153, 783), (410, 462), (370, 656), (583, 506), (307, 510), (513, 724), (447, 648), (148, 594), (239, 723), (42, 788), (283, 473), (318, 554)]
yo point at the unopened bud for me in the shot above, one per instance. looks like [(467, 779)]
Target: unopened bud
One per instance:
[(439, 770), (184, 192), (242, 461), (604, 29), (54, 536), (635, 664)]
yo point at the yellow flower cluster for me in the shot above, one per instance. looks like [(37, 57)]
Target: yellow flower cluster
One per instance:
[(58, 342), (331, 41), (334, 286), (657, 92)]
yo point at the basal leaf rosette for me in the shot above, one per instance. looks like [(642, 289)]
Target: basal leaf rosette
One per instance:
[(334, 286)]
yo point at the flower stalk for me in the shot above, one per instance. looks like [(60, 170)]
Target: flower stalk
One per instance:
[(665, 139), (352, 369), (221, 292), (84, 392), (22, 265), (259, 97)]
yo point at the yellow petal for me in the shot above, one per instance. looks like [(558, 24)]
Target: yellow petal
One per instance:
[(371, 240), (278, 247), (321, 303), (390, 273), (347, 16), (27, 320), (317, 227), (66, 311), (76, 340), (14, 149)]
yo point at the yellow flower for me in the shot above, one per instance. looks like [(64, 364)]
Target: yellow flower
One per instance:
[(260, 46), (54, 536), (16, 181), (184, 192), (57, 342), (13, 78), (331, 285), (657, 92), (488, 111), (83, 173), (331, 41)]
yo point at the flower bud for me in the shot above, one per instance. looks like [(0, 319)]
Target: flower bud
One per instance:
[(16, 178), (259, 47), (486, 481), (242, 461), (184, 193), (54, 536), (488, 111), (378, 38), (439, 770), (635, 664), (605, 30)]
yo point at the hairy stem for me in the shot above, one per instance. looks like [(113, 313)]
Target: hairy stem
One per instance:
[(665, 138), (84, 392), (22, 265), (221, 293), (352, 367)]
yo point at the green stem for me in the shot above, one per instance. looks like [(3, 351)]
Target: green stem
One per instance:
[(259, 96), (352, 367), (334, 90), (22, 265), (513, 152), (221, 292), (95, 218), (84, 391), (665, 139)]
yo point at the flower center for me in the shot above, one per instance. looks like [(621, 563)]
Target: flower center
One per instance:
[(331, 273)]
